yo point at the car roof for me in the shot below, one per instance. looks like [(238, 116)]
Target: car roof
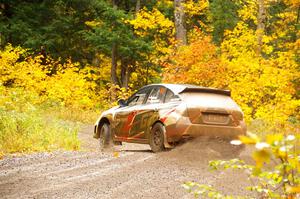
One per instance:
[(180, 88)]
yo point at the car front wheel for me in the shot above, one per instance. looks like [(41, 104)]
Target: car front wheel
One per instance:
[(105, 137), (157, 138)]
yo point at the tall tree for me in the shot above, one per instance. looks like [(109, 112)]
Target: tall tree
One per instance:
[(261, 17), (56, 25), (180, 23), (112, 35), (137, 6), (114, 52), (224, 16)]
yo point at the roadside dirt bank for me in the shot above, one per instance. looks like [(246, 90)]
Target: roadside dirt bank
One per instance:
[(129, 171)]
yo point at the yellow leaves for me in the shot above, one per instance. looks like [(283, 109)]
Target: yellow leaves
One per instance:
[(193, 8), (240, 42), (279, 178), (70, 87), (27, 73), (67, 85), (274, 139), (93, 24), (251, 139), (293, 3), (262, 87), (146, 21), (261, 157), (165, 3), (248, 11), (278, 145), (197, 63), (154, 24), (262, 154), (116, 154), (291, 189)]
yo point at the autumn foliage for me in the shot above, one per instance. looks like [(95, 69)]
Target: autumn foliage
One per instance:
[(105, 50), (263, 77), (197, 64)]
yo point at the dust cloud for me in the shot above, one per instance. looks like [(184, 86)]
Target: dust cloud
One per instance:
[(201, 150)]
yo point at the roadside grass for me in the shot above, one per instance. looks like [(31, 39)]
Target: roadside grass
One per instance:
[(29, 125), (29, 131), (74, 114), (262, 128)]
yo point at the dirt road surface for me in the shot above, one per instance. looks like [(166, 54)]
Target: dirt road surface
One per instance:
[(129, 171)]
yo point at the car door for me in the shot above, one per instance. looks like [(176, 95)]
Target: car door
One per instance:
[(147, 113), (171, 101), (125, 116)]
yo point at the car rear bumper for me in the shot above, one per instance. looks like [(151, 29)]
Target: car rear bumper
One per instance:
[(185, 129), (230, 132)]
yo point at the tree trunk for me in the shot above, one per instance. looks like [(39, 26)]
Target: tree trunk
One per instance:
[(137, 6), (298, 14), (180, 25), (261, 17), (114, 56), (113, 75), (125, 73), (96, 60), (125, 63)]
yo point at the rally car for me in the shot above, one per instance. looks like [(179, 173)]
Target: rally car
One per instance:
[(164, 114)]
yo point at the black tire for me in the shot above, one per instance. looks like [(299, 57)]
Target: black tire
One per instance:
[(156, 139), (105, 136)]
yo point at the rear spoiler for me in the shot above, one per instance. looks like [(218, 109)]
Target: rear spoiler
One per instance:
[(206, 90)]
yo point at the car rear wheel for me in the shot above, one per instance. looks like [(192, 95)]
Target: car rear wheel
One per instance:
[(157, 138), (105, 137)]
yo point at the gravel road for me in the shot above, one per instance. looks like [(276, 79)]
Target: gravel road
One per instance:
[(128, 171)]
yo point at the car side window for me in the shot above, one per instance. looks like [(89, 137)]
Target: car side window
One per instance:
[(157, 95), (170, 96), (138, 98)]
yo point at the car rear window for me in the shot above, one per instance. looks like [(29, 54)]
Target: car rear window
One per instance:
[(209, 100), (170, 96)]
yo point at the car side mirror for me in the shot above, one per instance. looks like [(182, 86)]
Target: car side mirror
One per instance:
[(122, 102)]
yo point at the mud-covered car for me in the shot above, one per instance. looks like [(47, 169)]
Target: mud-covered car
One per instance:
[(164, 114)]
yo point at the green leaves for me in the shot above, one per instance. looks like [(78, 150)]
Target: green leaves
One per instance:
[(276, 171), (204, 190), (224, 16), (231, 164)]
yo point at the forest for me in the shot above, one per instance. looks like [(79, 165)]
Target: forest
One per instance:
[(62, 62), (248, 46), (81, 56)]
